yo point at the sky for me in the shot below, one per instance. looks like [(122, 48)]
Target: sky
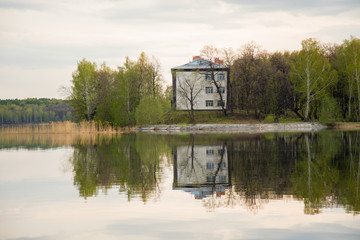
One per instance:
[(41, 41)]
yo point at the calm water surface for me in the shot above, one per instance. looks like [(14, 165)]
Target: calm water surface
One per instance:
[(203, 186)]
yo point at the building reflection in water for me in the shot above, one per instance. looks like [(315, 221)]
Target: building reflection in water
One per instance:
[(201, 170)]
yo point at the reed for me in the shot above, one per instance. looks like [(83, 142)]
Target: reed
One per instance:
[(66, 127), (29, 141)]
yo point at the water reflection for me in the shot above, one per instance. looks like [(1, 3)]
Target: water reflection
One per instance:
[(201, 170), (320, 169), (131, 162)]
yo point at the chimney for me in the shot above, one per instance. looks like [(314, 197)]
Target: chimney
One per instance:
[(218, 61), (195, 57)]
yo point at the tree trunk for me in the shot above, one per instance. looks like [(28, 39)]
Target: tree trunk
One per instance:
[(306, 117), (349, 106)]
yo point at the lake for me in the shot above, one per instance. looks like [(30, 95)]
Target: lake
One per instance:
[(184, 186)]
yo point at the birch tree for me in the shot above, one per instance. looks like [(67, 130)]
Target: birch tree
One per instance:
[(311, 73), (351, 60), (83, 90)]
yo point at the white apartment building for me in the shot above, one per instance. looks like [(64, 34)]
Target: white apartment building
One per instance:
[(200, 80)]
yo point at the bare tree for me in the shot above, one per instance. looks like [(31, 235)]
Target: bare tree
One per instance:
[(229, 56), (211, 54), (189, 89), (156, 77)]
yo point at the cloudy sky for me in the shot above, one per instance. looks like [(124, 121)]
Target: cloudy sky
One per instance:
[(41, 41)]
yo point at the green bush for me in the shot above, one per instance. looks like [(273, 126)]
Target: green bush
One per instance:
[(149, 111)]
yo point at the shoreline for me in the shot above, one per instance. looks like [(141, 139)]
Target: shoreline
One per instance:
[(235, 128), (94, 128)]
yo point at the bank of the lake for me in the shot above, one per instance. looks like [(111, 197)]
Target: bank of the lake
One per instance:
[(236, 128), (104, 128)]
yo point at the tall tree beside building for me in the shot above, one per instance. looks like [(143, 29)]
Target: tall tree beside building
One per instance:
[(242, 73), (211, 54)]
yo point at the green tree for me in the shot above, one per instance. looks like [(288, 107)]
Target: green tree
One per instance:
[(149, 111), (83, 90), (311, 73), (105, 79), (350, 56)]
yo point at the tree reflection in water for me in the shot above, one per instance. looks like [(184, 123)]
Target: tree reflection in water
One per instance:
[(320, 169), (317, 168), (132, 162)]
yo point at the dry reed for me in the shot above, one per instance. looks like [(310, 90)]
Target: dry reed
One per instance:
[(60, 128), (52, 140)]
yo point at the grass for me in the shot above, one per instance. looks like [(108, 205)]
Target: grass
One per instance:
[(212, 117)]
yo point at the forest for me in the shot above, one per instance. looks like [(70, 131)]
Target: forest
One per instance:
[(33, 110), (320, 82)]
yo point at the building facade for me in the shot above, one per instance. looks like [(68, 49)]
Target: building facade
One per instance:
[(199, 84)]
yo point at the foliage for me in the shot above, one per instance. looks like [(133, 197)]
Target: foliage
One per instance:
[(113, 96), (84, 90), (149, 111), (311, 75)]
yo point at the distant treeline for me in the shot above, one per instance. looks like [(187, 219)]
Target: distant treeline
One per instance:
[(33, 110)]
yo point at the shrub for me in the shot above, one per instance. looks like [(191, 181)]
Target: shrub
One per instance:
[(149, 111)]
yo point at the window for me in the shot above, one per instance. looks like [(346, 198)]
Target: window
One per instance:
[(209, 77), (220, 103), (209, 103), (210, 152), (209, 165), (220, 152), (210, 178), (221, 76), (221, 89), (222, 179), (209, 90)]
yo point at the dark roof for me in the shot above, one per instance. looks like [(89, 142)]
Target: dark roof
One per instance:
[(200, 63)]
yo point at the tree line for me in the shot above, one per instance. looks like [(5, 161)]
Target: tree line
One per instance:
[(321, 81), (33, 110)]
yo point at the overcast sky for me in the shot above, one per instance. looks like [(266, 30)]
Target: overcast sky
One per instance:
[(41, 41)]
